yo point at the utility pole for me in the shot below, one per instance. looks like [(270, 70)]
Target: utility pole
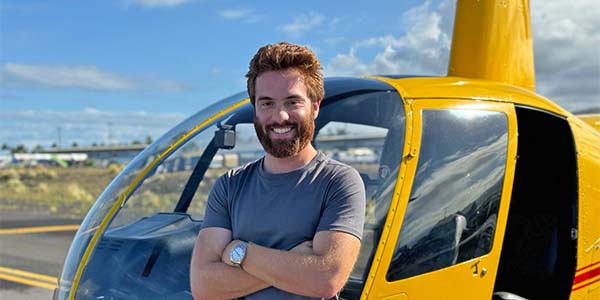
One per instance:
[(59, 129), (109, 133)]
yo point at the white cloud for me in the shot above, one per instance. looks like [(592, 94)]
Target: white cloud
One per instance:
[(334, 41), (303, 23), (87, 77), (40, 127), (158, 3), (316, 50), (567, 59), (334, 22), (233, 14), (83, 77), (247, 15), (216, 71), (565, 36), (423, 49), (164, 85), (346, 64)]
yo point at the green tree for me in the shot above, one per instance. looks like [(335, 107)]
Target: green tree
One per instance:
[(148, 140), (341, 131), (19, 149)]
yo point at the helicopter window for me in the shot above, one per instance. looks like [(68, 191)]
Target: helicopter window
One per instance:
[(365, 131), (451, 214)]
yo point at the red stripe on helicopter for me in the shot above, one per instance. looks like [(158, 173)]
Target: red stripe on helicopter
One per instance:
[(589, 275), (589, 283), (588, 266)]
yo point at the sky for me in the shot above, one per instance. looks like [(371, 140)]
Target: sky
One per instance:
[(114, 71)]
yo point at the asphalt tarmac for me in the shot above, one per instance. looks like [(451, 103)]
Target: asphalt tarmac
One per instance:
[(33, 247)]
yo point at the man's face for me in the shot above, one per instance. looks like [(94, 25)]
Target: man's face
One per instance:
[(284, 115)]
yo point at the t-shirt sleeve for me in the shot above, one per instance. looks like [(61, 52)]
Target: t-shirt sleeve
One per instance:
[(345, 204), (216, 213)]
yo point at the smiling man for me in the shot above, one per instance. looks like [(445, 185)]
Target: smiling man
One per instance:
[(287, 226)]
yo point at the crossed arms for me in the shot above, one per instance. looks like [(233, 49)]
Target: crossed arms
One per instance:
[(319, 268)]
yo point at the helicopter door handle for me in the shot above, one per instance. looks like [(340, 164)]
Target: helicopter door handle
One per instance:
[(477, 271), (475, 268)]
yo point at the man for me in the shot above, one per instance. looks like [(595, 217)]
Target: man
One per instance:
[(287, 226)]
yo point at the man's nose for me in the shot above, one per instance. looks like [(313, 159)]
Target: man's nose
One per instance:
[(282, 115)]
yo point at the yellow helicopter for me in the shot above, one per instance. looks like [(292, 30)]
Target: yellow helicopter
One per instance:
[(477, 187)]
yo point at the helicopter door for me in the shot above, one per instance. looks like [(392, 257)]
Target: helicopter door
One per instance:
[(446, 236)]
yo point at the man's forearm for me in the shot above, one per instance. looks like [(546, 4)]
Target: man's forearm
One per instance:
[(304, 274), (217, 280)]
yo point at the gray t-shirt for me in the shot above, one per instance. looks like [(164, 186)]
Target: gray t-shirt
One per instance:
[(282, 210)]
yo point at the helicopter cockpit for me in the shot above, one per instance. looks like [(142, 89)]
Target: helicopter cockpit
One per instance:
[(152, 212)]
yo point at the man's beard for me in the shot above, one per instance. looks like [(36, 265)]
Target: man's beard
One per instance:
[(281, 148)]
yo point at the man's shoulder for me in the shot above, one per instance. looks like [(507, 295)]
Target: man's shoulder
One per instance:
[(331, 163), (335, 167), (242, 170)]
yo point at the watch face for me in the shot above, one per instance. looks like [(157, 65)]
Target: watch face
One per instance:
[(237, 253)]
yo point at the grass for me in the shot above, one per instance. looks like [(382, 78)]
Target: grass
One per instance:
[(60, 191), (70, 192)]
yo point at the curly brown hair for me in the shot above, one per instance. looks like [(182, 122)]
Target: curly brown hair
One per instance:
[(282, 56)]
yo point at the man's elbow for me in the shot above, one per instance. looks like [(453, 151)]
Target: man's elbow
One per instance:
[(329, 289), (330, 286), (197, 294), (200, 292), (199, 287)]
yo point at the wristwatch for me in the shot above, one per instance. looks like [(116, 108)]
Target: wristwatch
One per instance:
[(238, 253)]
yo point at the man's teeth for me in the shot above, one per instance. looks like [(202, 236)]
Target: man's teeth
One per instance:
[(282, 130)]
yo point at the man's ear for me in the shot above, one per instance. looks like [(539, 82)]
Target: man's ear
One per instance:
[(316, 105)]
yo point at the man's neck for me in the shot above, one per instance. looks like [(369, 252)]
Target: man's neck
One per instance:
[(275, 165)]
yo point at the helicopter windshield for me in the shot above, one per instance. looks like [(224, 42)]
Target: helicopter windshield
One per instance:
[(121, 186)]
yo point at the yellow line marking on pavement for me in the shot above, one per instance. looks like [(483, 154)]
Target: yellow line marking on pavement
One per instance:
[(28, 282), (27, 274), (38, 229), (45, 281)]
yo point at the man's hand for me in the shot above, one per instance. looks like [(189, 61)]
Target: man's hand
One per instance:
[(210, 278)]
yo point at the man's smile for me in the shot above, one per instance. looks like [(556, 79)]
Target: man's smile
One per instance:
[(281, 131)]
